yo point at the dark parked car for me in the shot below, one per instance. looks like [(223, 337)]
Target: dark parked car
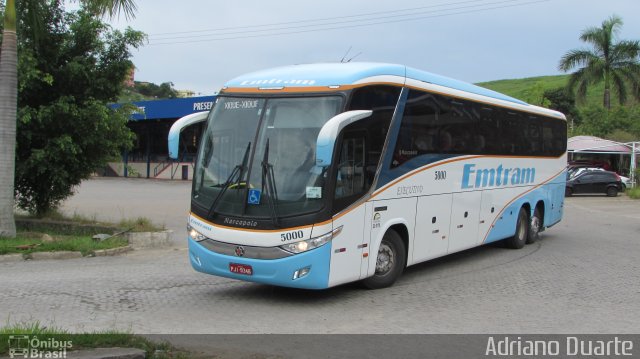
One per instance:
[(594, 182)]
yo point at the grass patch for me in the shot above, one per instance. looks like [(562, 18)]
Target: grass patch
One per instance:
[(82, 225), (101, 339), (140, 224), (634, 192), (55, 215), (29, 242), (69, 234)]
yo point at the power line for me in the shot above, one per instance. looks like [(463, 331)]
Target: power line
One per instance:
[(224, 33), (344, 26), (315, 20)]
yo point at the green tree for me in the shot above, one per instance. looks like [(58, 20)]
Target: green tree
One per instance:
[(535, 94), (560, 99), (65, 130), (9, 91), (598, 121), (615, 63), (165, 90)]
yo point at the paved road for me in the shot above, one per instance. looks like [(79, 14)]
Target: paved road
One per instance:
[(582, 277)]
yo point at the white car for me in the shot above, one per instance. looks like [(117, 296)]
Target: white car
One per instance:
[(626, 182)]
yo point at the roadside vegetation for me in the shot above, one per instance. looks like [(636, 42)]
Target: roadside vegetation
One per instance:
[(82, 224), (54, 232), (29, 242), (101, 339), (634, 192)]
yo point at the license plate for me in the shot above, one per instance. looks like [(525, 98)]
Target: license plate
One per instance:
[(240, 269)]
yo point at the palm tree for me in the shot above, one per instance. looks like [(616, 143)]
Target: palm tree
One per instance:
[(9, 96), (615, 63), (8, 105)]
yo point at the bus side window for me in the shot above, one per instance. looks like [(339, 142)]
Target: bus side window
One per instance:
[(420, 130)]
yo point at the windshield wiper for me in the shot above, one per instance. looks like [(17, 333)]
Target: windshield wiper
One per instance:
[(239, 171), (268, 180)]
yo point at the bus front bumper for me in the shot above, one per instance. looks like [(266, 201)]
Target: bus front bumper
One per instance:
[(278, 272)]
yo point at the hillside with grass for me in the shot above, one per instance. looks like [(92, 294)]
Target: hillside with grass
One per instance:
[(530, 89), (621, 123)]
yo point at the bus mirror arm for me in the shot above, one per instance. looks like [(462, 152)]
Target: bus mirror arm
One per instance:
[(178, 126), (330, 131)]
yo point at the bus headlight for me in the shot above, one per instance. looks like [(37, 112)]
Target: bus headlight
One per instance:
[(309, 244), (195, 235)]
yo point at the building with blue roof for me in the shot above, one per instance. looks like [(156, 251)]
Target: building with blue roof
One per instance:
[(150, 124)]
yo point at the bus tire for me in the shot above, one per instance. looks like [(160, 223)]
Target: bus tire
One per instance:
[(535, 225), (522, 231), (390, 262)]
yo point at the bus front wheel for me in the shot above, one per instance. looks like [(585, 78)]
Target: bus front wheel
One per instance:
[(522, 230), (390, 262)]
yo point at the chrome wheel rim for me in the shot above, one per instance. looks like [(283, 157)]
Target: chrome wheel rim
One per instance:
[(386, 259)]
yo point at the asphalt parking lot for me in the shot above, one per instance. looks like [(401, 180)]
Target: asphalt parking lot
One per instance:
[(582, 277)]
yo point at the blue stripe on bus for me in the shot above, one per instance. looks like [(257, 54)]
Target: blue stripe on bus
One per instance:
[(551, 193), (273, 271)]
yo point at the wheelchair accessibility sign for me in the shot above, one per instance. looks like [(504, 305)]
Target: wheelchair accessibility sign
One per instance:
[(254, 196)]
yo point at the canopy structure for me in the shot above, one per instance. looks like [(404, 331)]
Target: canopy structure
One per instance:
[(595, 148), (592, 144)]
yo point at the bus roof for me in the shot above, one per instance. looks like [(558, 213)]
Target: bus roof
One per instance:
[(351, 73)]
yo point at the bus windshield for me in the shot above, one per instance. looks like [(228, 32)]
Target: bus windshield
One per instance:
[(257, 156)]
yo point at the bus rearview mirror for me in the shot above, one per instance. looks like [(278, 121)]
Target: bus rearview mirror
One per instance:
[(178, 126), (330, 131)]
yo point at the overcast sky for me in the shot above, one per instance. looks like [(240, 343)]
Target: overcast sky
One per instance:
[(199, 44)]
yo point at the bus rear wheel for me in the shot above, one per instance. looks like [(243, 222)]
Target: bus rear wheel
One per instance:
[(390, 262), (522, 231)]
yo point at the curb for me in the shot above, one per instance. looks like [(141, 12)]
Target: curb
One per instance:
[(143, 240), (53, 255), (107, 353), (7, 258), (112, 251), (17, 257)]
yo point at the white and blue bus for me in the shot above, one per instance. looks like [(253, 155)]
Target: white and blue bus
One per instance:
[(311, 176)]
